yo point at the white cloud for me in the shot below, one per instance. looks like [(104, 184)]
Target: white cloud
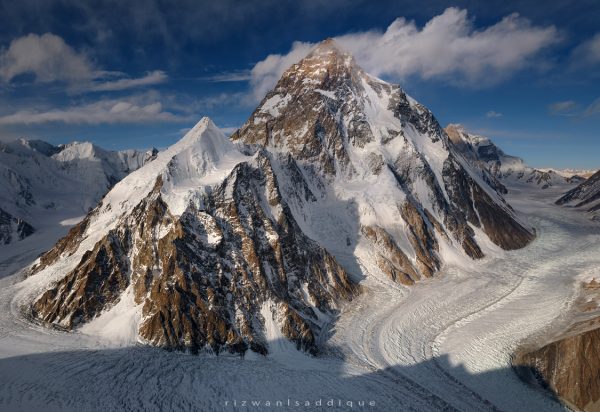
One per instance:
[(448, 47), (151, 78), (493, 114), (236, 76), (587, 53), (593, 109), (49, 59), (228, 130), (110, 111), (266, 72), (572, 108), (564, 108)]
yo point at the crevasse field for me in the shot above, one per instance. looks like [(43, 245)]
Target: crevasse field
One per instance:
[(444, 344)]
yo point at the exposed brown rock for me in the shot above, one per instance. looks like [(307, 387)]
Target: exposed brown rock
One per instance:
[(391, 259), (95, 284), (200, 280), (310, 124), (481, 211), (422, 239), (569, 367)]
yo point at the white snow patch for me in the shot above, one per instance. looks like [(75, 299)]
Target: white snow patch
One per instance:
[(117, 326), (275, 103)]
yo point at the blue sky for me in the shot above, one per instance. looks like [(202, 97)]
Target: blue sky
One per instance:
[(139, 73)]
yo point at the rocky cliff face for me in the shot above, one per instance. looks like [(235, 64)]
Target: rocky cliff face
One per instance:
[(335, 177), (585, 196), (570, 368), (12, 228), (569, 365)]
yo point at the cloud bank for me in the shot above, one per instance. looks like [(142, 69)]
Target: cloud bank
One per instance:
[(448, 47), (564, 108), (587, 53), (137, 109), (49, 59)]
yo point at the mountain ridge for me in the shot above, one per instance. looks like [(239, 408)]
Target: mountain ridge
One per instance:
[(44, 182), (336, 179), (504, 169)]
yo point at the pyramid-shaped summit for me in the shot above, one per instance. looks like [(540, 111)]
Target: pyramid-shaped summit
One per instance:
[(196, 251), (341, 178)]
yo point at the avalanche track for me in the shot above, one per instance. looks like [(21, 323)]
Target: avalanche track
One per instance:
[(444, 344)]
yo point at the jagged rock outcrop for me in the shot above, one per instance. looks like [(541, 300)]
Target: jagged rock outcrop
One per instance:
[(585, 196), (569, 367), (12, 228), (390, 258), (499, 169)]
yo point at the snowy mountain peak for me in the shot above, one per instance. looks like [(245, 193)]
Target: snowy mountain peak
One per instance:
[(79, 150), (204, 137), (196, 132), (328, 52), (350, 179), (39, 146), (43, 184), (585, 196), (200, 158), (362, 140)]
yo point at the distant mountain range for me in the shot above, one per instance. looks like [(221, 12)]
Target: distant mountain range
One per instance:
[(42, 184), (506, 169)]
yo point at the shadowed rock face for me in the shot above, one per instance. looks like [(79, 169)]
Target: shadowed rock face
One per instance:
[(201, 278), (12, 228), (481, 211), (585, 196), (570, 367), (496, 167)]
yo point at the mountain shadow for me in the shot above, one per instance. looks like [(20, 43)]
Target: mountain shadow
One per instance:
[(150, 379)]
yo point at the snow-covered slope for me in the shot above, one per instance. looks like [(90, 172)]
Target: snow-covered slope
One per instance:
[(337, 176), (585, 196), (41, 183), (187, 252), (506, 170)]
